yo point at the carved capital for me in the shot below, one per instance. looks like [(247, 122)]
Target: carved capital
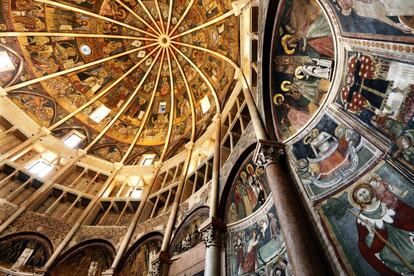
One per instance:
[(212, 231), (155, 267), (268, 152)]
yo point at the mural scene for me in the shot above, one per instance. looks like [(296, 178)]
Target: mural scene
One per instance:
[(248, 193), (139, 262), (23, 253), (372, 222), (330, 156), (386, 19), (90, 260), (112, 82), (189, 235), (303, 64), (253, 244), (380, 93)]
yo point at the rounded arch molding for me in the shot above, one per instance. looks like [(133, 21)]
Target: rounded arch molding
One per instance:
[(72, 251), (198, 212), (228, 181), (141, 241), (42, 239)]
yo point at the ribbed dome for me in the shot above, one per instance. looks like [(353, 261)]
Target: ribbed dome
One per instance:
[(122, 72)]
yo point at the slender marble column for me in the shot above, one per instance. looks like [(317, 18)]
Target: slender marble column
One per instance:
[(213, 235), (176, 204), (301, 247), (214, 228), (132, 225)]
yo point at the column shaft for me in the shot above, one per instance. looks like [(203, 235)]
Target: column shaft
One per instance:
[(303, 254), (132, 225)]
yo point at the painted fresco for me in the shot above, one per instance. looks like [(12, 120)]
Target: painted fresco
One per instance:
[(23, 253), (372, 223), (380, 93), (189, 235), (248, 193), (381, 19), (91, 260), (303, 66), (139, 262), (330, 156), (253, 243), (45, 55)]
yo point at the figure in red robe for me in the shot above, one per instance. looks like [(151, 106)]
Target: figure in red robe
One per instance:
[(395, 225)]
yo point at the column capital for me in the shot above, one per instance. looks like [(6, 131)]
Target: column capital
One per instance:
[(155, 267), (212, 231), (238, 6), (157, 262), (268, 152)]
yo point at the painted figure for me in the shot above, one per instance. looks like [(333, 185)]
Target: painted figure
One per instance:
[(386, 233)]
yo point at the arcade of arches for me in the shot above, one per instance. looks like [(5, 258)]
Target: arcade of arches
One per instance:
[(206, 137)]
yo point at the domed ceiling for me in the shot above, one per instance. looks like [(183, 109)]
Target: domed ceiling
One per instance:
[(142, 61)]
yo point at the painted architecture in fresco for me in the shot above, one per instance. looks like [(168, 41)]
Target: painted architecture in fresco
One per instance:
[(303, 64), (330, 156), (248, 193)]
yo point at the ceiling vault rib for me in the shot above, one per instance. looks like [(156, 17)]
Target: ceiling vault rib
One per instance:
[(190, 96), (137, 16), (215, 53), (70, 70), (147, 112), (98, 96), (205, 25), (172, 110), (47, 34), (127, 103), (149, 14), (170, 9), (160, 16), (184, 15), (68, 7), (203, 76)]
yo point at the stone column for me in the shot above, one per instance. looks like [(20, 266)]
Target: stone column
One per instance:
[(132, 225), (303, 255), (163, 255), (212, 228), (213, 235)]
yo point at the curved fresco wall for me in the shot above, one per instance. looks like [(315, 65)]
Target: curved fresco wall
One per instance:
[(354, 162), (303, 64), (254, 241), (248, 192), (256, 245), (139, 261)]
